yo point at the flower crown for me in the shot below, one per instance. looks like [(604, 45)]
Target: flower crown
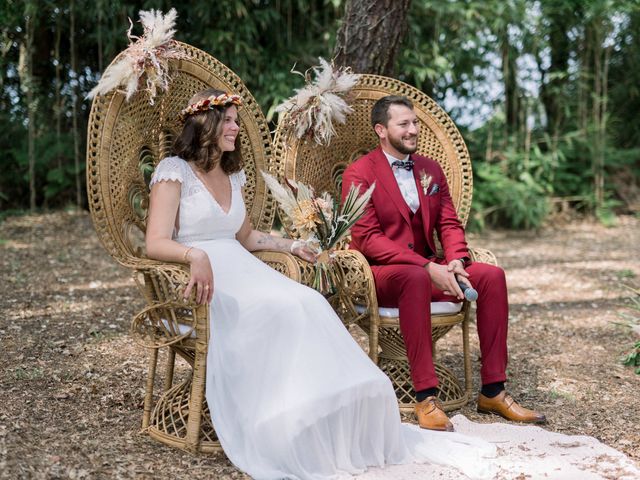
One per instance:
[(210, 103)]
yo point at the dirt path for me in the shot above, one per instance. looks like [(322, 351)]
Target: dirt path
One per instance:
[(72, 379)]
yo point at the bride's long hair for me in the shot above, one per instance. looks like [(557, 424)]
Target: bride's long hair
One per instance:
[(198, 141)]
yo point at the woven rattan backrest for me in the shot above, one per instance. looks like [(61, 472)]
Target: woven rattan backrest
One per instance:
[(439, 139), (126, 139)]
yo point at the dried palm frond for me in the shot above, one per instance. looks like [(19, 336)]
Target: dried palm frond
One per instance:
[(314, 108), (147, 55), (285, 197)]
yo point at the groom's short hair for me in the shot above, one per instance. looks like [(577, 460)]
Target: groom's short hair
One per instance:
[(380, 110)]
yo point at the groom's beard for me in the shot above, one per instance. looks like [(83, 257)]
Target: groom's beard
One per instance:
[(399, 145)]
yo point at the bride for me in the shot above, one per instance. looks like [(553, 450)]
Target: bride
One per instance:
[(291, 395)]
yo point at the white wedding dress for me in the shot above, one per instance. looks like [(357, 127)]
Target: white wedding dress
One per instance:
[(291, 395)]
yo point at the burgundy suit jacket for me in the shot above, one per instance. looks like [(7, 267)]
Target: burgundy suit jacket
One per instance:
[(384, 234)]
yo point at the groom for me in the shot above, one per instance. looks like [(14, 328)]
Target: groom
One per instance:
[(411, 201)]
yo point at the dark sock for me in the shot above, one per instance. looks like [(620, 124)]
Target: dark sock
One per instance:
[(423, 394), (491, 390)]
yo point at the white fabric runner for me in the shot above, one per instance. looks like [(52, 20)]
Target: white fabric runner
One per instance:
[(527, 452)]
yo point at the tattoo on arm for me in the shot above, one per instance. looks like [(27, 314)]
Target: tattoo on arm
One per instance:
[(266, 241)]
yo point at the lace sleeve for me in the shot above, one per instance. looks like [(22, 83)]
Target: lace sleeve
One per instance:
[(238, 179), (171, 168)]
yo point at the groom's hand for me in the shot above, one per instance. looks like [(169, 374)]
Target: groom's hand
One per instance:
[(457, 267), (443, 277)]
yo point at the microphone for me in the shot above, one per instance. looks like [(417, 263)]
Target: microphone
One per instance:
[(469, 293)]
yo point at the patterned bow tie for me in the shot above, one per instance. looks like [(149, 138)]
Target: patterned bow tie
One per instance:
[(407, 165)]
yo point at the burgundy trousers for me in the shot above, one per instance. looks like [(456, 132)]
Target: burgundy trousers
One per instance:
[(409, 288)]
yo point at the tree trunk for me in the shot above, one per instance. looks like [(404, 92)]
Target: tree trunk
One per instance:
[(526, 134), (509, 78), (603, 119), (584, 81), (58, 90), (370, 36), (601, 73)]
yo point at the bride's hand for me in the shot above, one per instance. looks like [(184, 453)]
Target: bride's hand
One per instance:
[(201, 277), (302, 250)]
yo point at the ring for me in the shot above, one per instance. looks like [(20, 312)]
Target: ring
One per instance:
[(206, 287)]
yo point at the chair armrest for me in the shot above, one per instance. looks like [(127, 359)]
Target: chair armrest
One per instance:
[(168, 318), (356, 287), (483, 255), (355, 275), (162, 281), (355, 284), (285, 263)]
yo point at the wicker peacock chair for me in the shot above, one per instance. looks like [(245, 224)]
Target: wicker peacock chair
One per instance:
[(322, 167), (126, 139)]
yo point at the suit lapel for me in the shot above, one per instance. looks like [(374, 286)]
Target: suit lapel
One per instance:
[(388, 183)]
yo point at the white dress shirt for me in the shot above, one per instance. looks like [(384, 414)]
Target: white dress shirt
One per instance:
[(406, 182)]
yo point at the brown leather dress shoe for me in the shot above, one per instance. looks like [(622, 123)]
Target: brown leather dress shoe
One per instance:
[(431, 416), (505, 406)]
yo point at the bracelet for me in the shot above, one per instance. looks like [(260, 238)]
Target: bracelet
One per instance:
[(186, 254), (296, 244)]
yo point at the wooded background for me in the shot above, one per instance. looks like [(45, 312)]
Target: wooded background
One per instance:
[(546, 93)]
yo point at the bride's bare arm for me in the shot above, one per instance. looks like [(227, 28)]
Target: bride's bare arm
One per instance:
[(164, 201), (254, 240)]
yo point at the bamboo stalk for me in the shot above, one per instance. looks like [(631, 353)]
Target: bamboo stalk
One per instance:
[(31, 106), (76, 135), (58, 88)]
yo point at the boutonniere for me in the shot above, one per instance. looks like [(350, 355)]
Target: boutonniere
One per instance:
[(425, 181), (434, 189)]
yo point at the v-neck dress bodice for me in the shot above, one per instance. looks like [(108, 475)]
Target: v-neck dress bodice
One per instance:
[(200, 216)]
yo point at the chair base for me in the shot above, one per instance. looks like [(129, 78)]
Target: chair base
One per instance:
[(170, 418), (392, 360), (450, 392)]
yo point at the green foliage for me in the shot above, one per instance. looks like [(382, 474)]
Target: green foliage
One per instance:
[(632, 321), (625, 274), (519, 76), (514, 186), (54, 172), (625, 82), (632, 358), (29, 373), (500, 200), (605, 213), (12, 212), (260, 41)]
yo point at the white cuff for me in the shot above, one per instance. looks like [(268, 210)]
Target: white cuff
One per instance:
[(296, 244)]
